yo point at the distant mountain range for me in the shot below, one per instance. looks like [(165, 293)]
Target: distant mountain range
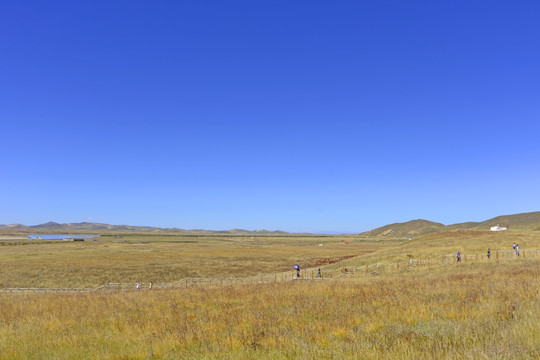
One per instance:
[(416, 228), (411, 228), (92, 227)]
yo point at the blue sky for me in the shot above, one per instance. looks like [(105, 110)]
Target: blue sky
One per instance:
[(300, 116)]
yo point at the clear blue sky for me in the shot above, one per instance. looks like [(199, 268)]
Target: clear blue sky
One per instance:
[(318, 116)]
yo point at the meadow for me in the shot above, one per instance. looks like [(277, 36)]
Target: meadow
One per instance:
[(462, 311), (467, 242), (160, 258)]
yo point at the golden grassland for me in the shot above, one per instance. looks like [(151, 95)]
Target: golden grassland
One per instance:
[(162, 258), (472, 311), (138, 258), (436, 244), (468, 311)]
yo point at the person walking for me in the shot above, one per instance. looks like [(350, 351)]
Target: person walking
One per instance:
[(517, 249), (137, 286), (458, 256), (489, 253)]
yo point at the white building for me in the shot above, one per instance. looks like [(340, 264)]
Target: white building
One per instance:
[(497, 228)]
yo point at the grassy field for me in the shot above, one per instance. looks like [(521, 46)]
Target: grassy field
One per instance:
[(471, 311), (161, 258), (144, 258), (467, 242)]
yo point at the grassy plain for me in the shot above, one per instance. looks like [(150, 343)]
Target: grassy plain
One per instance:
[(471, 311), (160, 258), (436, 244), (477, 311)]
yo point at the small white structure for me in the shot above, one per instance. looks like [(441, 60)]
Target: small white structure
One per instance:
[(497, 228)]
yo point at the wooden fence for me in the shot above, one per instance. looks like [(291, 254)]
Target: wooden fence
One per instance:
[(305, 274)]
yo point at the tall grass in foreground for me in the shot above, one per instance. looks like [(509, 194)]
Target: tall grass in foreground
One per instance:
[(487, 311)]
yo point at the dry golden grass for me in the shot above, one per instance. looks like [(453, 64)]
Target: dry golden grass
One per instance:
[(433, 245), (137, 258), (477, 311), (470, 311)]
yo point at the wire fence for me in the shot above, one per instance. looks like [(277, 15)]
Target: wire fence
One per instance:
[(305, 274)]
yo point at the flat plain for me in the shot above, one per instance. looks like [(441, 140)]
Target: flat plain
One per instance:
[(484, 309), (142, 258)]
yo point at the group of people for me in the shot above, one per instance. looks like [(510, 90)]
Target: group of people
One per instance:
[(458, 256), (516, 249), (150, 285), (297, 268)]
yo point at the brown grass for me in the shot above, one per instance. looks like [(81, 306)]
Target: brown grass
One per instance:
[(468, 312), (164, 259), (471, 311), (433, 245)]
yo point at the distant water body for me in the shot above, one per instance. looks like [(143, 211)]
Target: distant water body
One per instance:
[(60, 236)]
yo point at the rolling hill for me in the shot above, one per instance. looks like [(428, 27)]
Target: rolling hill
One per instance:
[(91, 227), (523, 220), (420, 227), (413, 228)]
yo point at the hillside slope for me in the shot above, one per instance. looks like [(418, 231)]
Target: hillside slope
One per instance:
[(411, 228), (417, 228), (523, 220)]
